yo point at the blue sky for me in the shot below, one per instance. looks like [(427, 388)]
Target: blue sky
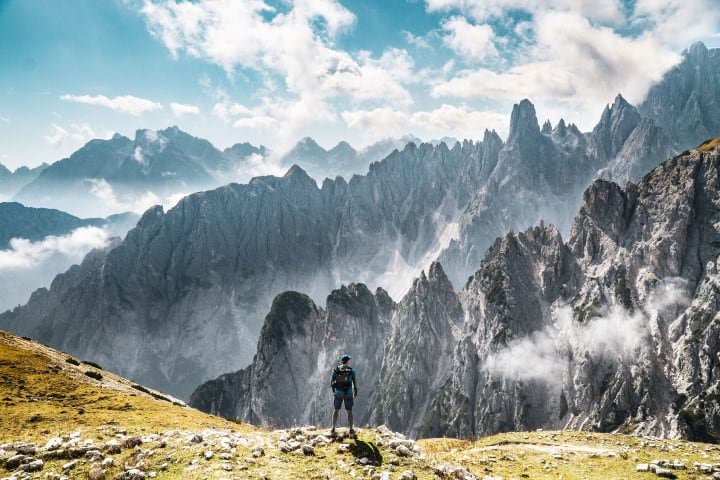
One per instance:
[(272, 72)]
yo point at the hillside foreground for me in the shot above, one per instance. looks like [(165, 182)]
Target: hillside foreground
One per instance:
[(64, 418)]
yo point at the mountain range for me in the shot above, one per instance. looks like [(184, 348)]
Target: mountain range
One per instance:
[(341, 160), (182, 299), (615, 329), (105, 176), (19, 221), (12, 182)]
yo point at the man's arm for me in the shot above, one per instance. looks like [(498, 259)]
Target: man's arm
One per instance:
[(332, 381), (354, 384)]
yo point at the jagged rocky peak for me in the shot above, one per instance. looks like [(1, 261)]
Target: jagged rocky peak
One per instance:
[(560, 129), (616, 124), (342, 148), (697, 50), (687, 101), (547, 127), (523, 122), (307, 146)]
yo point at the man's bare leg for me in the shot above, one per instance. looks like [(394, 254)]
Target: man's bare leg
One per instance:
[(334, 420)]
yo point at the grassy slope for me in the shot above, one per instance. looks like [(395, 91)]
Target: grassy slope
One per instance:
[(42, 396)]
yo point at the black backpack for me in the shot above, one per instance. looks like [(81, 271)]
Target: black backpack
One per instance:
[(343, 378)]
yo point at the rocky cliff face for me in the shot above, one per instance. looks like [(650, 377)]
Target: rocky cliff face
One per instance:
[(615, 329), (687, 101), (541, 173)]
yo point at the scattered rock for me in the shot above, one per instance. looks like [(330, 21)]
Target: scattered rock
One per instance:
[(308, 449), (209, 454), (132, 442), (403, 451), (664, 473), (258, 452), (15, 461), (642, 467), (25, 449), (132, 474), (69, 466), (54, 443), (33, 466), (195, 439), (408, 475), (113, 447)]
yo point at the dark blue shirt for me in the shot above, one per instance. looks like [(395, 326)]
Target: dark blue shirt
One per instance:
[(349, 391)]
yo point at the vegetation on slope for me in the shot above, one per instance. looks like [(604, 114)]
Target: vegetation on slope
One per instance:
[(104, 426)]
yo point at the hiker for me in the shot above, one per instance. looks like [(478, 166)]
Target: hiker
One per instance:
[(342, 383)]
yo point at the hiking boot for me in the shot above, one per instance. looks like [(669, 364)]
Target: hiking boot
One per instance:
[(352, 432), (332, 432)]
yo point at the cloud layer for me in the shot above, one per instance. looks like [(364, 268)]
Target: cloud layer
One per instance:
[(123, 104)]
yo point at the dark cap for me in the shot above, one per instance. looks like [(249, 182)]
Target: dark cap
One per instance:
[(345, 358)]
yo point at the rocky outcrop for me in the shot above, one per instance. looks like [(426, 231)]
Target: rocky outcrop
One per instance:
[(614, 330), (686, 102)]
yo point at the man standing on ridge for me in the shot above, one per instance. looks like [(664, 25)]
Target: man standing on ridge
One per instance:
[(342, 383)]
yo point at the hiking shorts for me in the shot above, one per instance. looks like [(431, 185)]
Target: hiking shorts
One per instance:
[(339, 399)]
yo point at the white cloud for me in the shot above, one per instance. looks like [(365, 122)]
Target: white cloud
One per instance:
[(473, 43), (446, 120), (580, 65), (416, 40), (138, 203), (4, 119), (294, 46), (677, 22), (124, 104), (75, 134), (25, 254), (225, 110), (180, 109), (543, 355)]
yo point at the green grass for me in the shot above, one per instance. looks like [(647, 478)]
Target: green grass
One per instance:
[(709, 145), (42, 396)]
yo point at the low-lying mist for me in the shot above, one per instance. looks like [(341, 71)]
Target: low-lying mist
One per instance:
[(28, 265), (615, 333)]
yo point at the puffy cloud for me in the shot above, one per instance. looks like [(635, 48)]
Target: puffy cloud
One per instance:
[(446, 120), (472, 42), (24, 253), (124, 104), (574, 62), (138, 203), (76, 134), (180, 109), (677, 22), (294, 44), (28, 265)]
